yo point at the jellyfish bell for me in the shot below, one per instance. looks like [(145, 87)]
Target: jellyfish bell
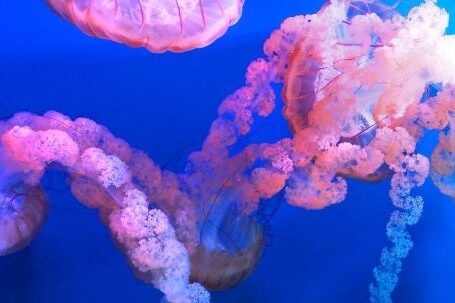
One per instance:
[(330, 86), (229, 248), (158, 25), (23, 210), (298, 91), (315, 65), (379, 175), (443, 160), (443, 170)]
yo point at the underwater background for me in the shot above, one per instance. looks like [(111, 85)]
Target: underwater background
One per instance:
[(164, 104)]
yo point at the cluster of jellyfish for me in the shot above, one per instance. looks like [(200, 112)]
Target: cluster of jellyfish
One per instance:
[(361, 84)]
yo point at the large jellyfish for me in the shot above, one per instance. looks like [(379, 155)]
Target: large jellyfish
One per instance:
[(158, 25), (356, 79)]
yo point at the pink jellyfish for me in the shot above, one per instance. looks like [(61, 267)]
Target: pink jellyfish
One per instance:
[(158, 25), (22, 213), (354, 76), (443, 157), (157, 218), (356, 101), (101, 178)]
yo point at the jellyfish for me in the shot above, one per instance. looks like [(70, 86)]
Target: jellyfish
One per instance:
[(355, 100), (229, 247), (356, 103), (354, 78), (442, 158), (100, 177), (22, 213), (157, 25), (169, 239)]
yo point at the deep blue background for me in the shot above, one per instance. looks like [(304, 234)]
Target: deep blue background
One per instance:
[(159, 103)]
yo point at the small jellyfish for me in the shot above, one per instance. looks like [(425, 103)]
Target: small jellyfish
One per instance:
[(443, 161), (23, 210), (158, 25), (229, 248)]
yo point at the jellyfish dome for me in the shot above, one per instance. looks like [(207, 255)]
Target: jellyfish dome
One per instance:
[(158, 25), (22, 213), (229, 247), (443, 161)]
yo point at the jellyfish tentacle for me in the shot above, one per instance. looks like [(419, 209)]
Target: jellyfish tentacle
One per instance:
[(414, 173)]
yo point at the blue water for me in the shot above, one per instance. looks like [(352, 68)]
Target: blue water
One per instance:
[(159, 103)]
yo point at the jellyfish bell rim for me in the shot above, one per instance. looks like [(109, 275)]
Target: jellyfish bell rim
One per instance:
[(95, 27), (376, 177)]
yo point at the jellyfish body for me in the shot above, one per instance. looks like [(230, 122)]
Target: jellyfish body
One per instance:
[(443, 161), (443, 170), (22, 213), (100, 177), (337, 82), (299, 89), (229, 248), (158, 25)]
